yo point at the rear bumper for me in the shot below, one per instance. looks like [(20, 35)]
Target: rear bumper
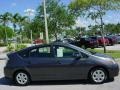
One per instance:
[(8, 73), (114, 71)]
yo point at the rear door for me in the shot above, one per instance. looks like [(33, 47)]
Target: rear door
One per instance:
[(41, 63)]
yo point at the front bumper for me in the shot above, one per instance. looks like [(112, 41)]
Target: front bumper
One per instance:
[(113, 70)]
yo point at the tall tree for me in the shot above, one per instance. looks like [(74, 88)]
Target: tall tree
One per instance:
[(95, 9), (58, 15), (21, 22), (9, 32), (4, 19), (15, 19)]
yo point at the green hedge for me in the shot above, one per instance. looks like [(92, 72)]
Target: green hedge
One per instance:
[(18, 47), (2, 44)]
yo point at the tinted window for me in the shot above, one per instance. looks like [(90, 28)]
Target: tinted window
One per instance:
[(61, 51), (44, 50), (40, 52)]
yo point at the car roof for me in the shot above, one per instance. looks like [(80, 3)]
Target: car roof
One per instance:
[(55, 43), (42, 45)]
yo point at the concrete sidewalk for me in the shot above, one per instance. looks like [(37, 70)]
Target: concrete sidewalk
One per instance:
[(3, 54), (3, 49)]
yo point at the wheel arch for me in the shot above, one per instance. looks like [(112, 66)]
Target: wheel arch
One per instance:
[(21, 70), (107, 72)]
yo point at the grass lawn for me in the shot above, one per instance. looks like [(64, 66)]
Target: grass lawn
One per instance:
[(113, 53)]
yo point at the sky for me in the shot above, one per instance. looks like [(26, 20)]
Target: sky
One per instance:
[(20, 6)]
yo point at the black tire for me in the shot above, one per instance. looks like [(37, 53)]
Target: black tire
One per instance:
[(26, 78), (101, 78)]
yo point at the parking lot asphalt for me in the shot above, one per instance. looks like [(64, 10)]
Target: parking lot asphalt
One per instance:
[(6, 84)]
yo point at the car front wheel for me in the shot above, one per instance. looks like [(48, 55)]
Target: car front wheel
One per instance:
[(22, 78), (98, 75)]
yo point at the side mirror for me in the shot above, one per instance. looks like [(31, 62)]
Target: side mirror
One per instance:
[(77, 55)]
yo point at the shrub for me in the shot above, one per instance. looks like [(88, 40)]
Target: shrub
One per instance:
[(26, 41), (2, 44), (20, 46), (10, 47)]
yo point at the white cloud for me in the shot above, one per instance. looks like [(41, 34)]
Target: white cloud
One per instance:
[(29, 12), (82, 22), (13, 4)]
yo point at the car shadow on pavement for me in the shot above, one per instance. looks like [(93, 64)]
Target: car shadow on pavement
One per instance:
[(5, 81), (8, 82)]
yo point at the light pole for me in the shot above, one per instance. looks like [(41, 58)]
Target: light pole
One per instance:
[(46, 26)]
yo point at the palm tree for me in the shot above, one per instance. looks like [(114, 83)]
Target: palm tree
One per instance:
[(4, 19), (15, 19), (21, 22)]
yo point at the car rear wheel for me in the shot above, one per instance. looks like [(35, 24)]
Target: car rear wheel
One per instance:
[(98, 75), (22, 78)]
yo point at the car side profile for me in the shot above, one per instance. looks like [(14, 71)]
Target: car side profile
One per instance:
[(59, 61)]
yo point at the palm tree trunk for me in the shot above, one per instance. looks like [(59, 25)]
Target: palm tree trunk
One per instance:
[(21, 37), (6, 37)]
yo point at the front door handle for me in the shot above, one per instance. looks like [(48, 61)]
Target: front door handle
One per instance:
[(58, 62), (29, 62)]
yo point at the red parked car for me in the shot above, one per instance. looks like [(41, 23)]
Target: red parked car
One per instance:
[(38, 41), (112, 40), (86, 42), (101, 40)]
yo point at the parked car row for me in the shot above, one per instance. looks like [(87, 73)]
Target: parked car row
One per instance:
[(118, 39), (88, 42), (93, 41)]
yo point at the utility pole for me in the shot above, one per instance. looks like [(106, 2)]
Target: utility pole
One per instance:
[(46, 26), (29, 13)]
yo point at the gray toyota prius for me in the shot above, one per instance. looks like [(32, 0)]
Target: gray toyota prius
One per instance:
[(59, 61)]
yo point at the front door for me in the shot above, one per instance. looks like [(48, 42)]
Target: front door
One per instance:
[(67, 63)]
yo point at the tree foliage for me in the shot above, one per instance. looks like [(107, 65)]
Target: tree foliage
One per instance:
[(112, 28), (8, 30), (58, 15)]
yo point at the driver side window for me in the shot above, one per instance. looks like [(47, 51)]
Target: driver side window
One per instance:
[(65, 52)]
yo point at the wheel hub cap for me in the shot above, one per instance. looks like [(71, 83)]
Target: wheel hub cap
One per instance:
[(98, 76), (22, 78)]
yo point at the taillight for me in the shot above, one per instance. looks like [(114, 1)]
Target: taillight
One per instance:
[(7, 58)]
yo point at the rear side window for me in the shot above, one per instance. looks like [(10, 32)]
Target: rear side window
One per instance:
[(44, 50), (40, 52)]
